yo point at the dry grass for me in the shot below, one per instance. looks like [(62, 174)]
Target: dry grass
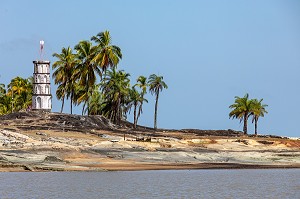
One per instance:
[(165, 145), (203, 143)]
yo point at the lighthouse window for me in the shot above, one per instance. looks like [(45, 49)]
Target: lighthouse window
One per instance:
[(47, 90), (40, 79), (40, 89)]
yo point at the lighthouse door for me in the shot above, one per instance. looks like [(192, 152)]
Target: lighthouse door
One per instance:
[(38, 103)]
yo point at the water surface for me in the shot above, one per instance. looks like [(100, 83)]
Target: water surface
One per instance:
[(242, 183)]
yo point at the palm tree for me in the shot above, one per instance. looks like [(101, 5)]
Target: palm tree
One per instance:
[(136, 100), (86, 69), (17, 85), (5, 104), (24, 100), (95, 103), (72, 90), (115, 87), (242, 108), (81, 96), (2, 90), (156, 85), (60, 94), (20, 91), (143, 85), (64, 74), (5, 101), (258, 110), (107, 55)]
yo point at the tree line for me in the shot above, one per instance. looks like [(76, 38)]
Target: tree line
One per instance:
[(243, 108), (77, 70)]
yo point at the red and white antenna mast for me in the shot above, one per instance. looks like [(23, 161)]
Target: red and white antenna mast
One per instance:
[(41, 49)]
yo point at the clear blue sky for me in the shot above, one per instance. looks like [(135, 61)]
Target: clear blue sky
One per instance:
[(207, 51)]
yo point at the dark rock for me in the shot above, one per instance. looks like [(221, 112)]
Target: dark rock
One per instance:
[(199, 132), (143, 139), (52, 159), (242, 141), (265, 142)]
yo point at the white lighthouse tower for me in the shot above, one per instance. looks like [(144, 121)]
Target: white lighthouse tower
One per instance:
[(41, 96)]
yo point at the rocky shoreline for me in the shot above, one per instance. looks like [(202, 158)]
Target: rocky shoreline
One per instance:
[(38, 141)]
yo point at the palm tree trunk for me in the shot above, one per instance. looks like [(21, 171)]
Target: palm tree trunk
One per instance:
[(88, 107), (155, 113), (114, 115), (139, 112), (82, 111), (90, 93), (71, 103), (255, 125), (245, 123), (62, 105), (134, 117), (119, 111), (119, 116)]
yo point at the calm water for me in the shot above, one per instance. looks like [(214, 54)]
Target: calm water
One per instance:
[(275, 183)]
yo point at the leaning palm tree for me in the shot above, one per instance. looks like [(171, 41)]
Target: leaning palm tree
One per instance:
[(242, 108), (61, 94), (107, 55), (143, 85), (64, 74), (81, 96), (156, 85), (86, 69), (258, 110)]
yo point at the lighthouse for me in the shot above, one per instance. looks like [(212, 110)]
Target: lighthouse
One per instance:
[(41, 96)]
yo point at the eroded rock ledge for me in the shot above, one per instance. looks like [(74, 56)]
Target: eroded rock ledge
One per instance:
[(37, 141)]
